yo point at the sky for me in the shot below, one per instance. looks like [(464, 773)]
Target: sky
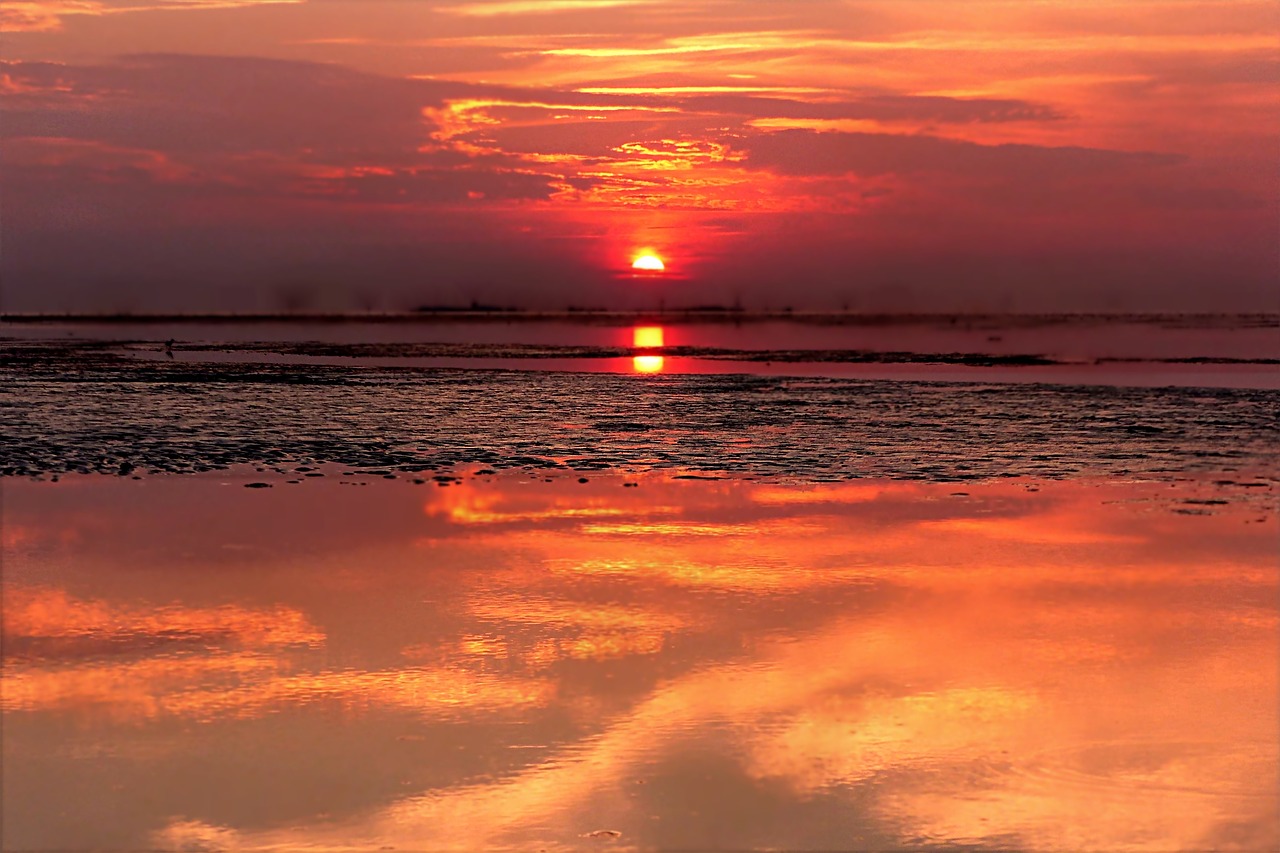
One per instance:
[(916, 155)]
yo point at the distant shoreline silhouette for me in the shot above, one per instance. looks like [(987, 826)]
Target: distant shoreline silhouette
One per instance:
[(675, 314)]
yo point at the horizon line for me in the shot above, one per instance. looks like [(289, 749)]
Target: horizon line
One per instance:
[(697, 313)]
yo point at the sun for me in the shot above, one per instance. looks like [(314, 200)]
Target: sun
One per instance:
[(648, 262)]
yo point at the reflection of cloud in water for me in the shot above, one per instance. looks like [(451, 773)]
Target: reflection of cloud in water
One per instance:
[(47, 613), (131, 691), (468, 505), (883, 661), (523, 610), (430, 691), (1017, 530), (834, 710), (195, 835), (845, 739), (252, 685)]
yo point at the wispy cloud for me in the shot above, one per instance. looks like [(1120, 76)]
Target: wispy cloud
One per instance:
[(537, 7), (997, 124), (48, 15)]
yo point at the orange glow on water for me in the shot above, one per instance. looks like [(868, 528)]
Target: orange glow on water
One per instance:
[(1061, 640), (649, 336), (648, 363)]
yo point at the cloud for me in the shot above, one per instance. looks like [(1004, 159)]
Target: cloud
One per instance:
[(205, 105), (886, 108), (254, 126), (47, 15), (164, 167), (537, 7), (218, 106), (439, 185), (808, 152)]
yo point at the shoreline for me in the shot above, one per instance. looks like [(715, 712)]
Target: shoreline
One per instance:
[(674, 315)]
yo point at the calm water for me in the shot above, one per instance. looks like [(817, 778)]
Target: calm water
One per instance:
[(272, 595), (516, 664)]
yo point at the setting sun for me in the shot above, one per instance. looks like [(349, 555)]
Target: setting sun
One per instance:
[(648, 263)]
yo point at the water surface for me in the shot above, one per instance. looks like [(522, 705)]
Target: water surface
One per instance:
[(637, 662), (651, 586), (1138, 350)]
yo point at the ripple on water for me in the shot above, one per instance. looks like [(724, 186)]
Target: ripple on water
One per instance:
[(1130, 769)]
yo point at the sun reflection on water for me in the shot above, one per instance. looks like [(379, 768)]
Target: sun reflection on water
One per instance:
[(648, 337), (648, 363)]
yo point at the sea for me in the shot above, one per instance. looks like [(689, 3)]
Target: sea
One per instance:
[(688, 580)]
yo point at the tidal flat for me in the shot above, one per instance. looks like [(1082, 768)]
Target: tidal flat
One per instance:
[(259, 602)]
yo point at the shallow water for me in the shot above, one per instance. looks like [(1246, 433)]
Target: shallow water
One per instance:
[(330, 597), (508, 663), (1138, 351)]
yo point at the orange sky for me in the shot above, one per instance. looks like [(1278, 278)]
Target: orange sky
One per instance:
[(232, 154)]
